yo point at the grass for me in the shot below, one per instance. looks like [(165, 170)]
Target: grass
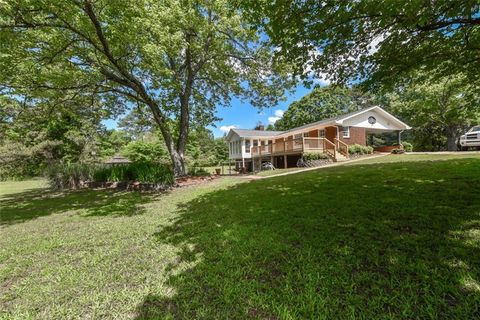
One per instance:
[(13, 187), (418, 157), (385, 241), (267, 173)]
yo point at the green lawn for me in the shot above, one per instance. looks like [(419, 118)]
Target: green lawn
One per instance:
[(382, 241), (267, 173)]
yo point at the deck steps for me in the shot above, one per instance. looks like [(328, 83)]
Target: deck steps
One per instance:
[(340, 157)]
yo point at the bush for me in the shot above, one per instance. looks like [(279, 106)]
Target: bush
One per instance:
[(309, 156), (141, 151), (145, 172), (356, 149), (407, 146), (199, 172), (69, 176), (75, 175)]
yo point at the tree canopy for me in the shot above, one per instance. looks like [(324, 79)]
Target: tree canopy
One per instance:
[(179, 58), (323, 103), (439, 112), (374, 41)]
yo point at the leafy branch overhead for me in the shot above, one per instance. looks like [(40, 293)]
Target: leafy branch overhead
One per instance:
[(178, 58), (374, 41)]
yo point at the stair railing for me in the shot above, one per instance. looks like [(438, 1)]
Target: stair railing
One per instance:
[(342, 147), (333, 153)]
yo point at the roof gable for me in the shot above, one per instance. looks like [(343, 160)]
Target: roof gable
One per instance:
[(355, 119)]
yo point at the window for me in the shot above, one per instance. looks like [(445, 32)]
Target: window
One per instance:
[(255, 143), (321, 133), (247, 146), (306, 134), (346, 132)]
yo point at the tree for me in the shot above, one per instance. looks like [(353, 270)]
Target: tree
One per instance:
[(270, 127), (374, 41), (322, 103), (36, 134), (179, 58), (438, 112)]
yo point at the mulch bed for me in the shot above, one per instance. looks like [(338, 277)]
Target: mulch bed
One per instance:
[(192, 180)]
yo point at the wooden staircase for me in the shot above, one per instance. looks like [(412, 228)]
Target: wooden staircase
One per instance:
[(340, 157)]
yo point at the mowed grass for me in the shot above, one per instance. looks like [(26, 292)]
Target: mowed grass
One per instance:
[(382, 241)]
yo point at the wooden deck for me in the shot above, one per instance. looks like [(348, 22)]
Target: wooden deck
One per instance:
[(301, 145)]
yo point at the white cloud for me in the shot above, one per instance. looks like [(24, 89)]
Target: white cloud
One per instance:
[(227, 128), (321, 79), (278, 115)]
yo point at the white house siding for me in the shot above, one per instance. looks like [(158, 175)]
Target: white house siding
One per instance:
[(382, 123)]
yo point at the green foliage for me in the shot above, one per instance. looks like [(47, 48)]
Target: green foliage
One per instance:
[(112, 142), (76, 175), (376, 41), (308, 156), (18, 161), (199, 172), (178, 60), (203, 150), (439, 112), (322, 103), (404, 243), (141, 172), (407, 146), (69, 175), (357, 149), (146, 151), (36, 133)]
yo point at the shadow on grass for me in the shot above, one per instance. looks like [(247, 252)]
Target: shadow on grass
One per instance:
[(32, 204), (392, 241)]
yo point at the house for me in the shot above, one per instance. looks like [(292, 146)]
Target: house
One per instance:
[(249, 148)]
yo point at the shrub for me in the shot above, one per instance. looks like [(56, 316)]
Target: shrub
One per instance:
[(407, 146), (69, 176), (145, 172), (309, 156), (73, 176), (199, 172), (141, 151), (359, 149)]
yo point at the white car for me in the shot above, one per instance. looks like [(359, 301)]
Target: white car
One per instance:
[(471, 138)]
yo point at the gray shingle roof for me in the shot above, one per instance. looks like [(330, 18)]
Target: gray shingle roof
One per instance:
[(255, 133), (244, 133)]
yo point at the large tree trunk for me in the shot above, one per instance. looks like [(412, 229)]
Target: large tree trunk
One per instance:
[(452, 139), (176, 154), (178, 161)]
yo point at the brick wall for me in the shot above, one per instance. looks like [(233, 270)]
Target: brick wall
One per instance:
[(357, 136)]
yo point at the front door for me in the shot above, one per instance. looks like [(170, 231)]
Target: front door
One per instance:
[(331, 133)]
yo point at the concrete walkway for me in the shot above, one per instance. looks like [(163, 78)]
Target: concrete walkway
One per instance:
[(335, 164)]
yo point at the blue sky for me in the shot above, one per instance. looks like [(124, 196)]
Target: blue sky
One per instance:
[(242, 114)]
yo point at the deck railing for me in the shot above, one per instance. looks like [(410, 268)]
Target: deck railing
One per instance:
[(292, 145)]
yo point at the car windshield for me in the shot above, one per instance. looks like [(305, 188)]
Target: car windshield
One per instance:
[(476, 128)]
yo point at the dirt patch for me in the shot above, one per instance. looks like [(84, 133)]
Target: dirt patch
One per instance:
[(191, 180)]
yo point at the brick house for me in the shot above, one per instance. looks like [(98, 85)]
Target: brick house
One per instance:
[(331, 136)]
